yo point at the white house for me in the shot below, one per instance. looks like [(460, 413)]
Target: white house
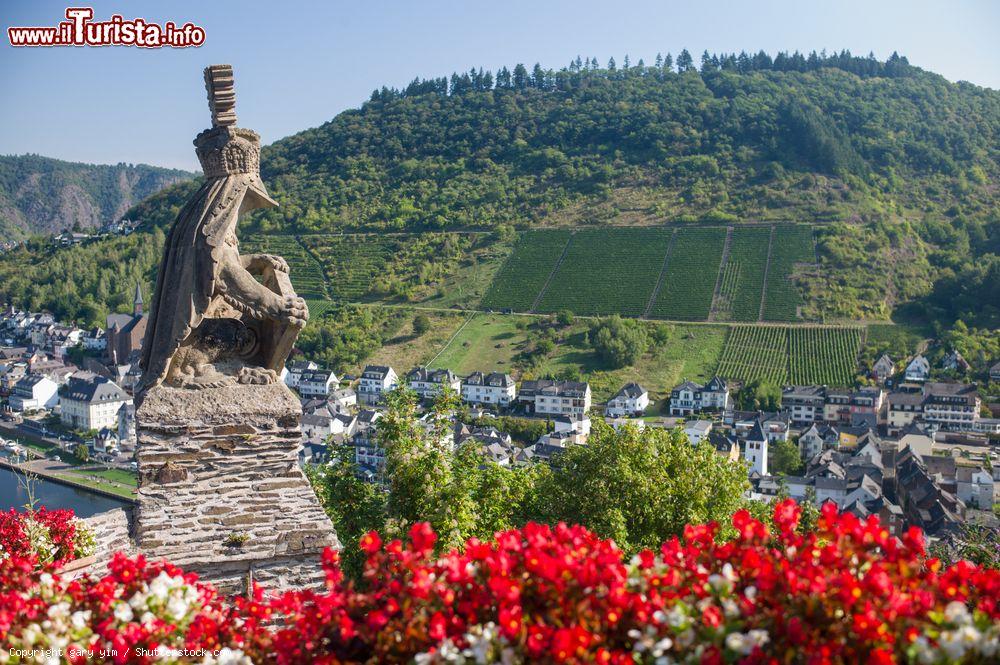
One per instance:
[(816, 439), (883, 368), (697, 430), (556, 397), (576, 423), (918, 369), (429, 383), (89, 401), (493, 388), (344, 398), (755, 449), (34, 391), (294, 371), (631, 400), (955, 362), (690, 397), (975, 486), (376, 381), (317, 383)]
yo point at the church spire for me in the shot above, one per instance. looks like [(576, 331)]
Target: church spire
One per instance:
[(137, 301)]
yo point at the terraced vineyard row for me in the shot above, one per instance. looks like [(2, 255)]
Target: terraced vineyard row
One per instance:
[(352, 261), (689, 282), (748, 251), (608, 271), (823, 356), (786, 354), (793, 243), (521, 278), (305, 272), (755, 352)]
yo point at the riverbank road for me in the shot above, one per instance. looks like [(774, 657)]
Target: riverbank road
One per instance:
[(110, 480)]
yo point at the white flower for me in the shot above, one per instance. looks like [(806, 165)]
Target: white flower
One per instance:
[(80, 619), (737, 642), (758, 637), (123, 612), (45, 580), (138, 600), (924, 652), (177, 607), (227, 656), (956, 612), (956, 642), (59, 611)]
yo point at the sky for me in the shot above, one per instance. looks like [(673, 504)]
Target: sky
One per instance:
[(299, 63)]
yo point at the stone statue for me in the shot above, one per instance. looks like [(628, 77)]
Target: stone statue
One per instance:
[(220, 489), (218, 317)]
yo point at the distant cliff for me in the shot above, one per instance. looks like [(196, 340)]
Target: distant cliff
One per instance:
[(44, 195)]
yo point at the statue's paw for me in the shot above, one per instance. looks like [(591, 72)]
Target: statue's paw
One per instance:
[(295, 311), (257, 376), (279, 264)]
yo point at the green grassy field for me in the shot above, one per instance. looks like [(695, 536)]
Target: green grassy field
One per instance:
[(689, 281), (491, 342), (607, 271)]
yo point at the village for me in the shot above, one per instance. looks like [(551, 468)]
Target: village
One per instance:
[(913, 450)]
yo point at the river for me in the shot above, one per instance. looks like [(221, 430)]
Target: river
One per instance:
[(13, 494)]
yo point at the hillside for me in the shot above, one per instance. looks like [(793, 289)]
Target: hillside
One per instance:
[(39, 195), (891, 171)]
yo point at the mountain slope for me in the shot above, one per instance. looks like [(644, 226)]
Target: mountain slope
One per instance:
[(40, 195), (897, 168)]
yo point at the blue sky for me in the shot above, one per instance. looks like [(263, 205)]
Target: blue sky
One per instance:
[(300, 63)]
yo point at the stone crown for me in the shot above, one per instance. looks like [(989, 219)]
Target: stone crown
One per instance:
[(227, 150)]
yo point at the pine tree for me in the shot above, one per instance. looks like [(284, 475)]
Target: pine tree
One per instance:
[(684, 61), (520, 77)]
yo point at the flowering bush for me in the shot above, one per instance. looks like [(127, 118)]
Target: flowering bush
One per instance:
[(51, 536), (848, 592)]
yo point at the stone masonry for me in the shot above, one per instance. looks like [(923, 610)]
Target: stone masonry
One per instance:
[(220, 489)]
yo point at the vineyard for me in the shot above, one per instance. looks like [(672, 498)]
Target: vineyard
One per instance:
[(522, 277), (785, 354), (823, 356), (793, 243), (352, 262), (305, 272), (748, 252), (589, 271), (607, 271), (689, 281)]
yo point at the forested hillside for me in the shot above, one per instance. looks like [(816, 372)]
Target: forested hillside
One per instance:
[(896, 168), (39, 195)]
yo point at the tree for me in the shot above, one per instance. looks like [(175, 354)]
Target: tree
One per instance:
[(668, 63), (786, 458), (684, 61), (82, 452), (758, 395), (640, 487), (620, 342), (421, 324), (355, 507), (564, 318), (520, 77)]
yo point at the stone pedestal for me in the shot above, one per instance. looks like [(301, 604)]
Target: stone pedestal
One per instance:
[(220, 489)]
